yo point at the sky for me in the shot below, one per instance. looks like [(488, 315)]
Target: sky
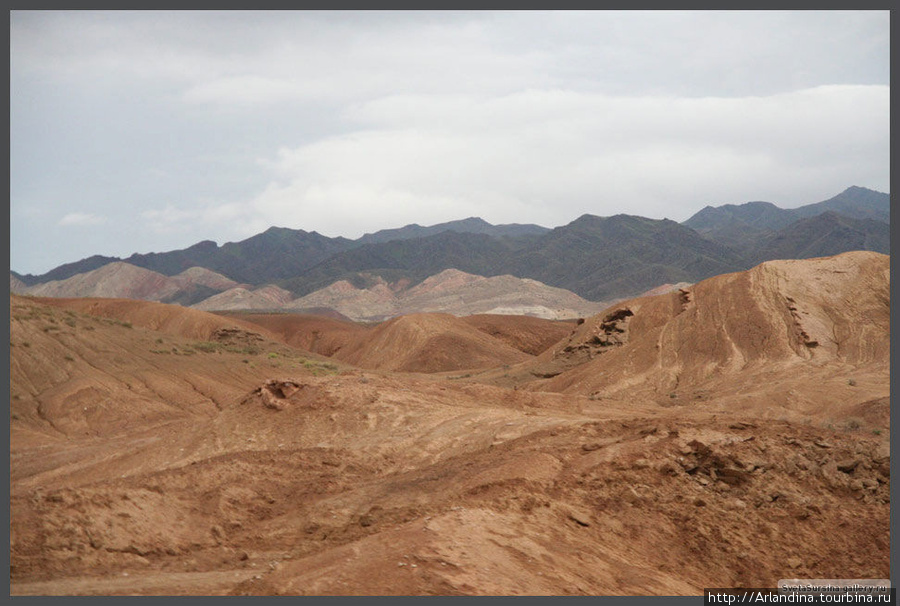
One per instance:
[(148, 131)]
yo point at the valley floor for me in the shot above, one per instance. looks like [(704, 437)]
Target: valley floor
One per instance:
[(145, 462)]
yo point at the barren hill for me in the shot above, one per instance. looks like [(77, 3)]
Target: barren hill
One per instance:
[(161, 317), (450, 291), (428, 343), (113, 280), (123, 280), (361, 304), (465, 294), (16, 286), (315, 333), (733, 433), (755, 330), (525, 333), (264, 297)]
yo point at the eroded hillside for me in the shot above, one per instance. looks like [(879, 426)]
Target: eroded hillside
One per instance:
[(731, 433)]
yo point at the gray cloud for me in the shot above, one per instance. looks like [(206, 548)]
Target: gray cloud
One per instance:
[(175, 127)]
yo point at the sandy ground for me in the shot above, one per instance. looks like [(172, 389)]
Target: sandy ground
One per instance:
[(700, 441)]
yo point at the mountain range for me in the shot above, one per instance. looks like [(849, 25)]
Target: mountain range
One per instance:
[(597, 258)]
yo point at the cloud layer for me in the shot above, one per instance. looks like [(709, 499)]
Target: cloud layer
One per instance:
[(176, 127)]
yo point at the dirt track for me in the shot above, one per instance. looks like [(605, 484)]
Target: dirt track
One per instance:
[(159, 454)]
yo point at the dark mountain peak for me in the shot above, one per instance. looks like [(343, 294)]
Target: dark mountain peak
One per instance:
[(282, 232), (757, 205), (203, 246), (756, 213), (470, 222), (619, 219), (854, 202), (856, 189), (825, 234), (471, 225)]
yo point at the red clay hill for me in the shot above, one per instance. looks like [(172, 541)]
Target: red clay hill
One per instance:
[(733, 433)]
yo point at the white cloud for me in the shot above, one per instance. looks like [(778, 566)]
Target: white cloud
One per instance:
[(246, 91), (81, 219), (367, 120), (552, 155)]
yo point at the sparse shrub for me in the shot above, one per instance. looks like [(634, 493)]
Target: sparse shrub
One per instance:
[(247, 351), (853, 424), (69, 358), (673, 395), (877, 432), (206, 346), (159, 340), (70, 322), (272, 355), (851, 382), (26, 344)]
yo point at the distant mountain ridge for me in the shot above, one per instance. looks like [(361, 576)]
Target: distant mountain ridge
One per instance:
[(825, 235), (472, 225), (747, 228), (123, 280), (597, 258)]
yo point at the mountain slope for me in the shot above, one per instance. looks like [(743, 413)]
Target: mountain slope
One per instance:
[(67, 270), (118, 280), (764, 328), (123, 280), (264, 297), (823, 235), (472, 225), (597, 258), (275, 254), (468, 294), (761, 215), (854, 202), (414, 259), (601, 258), (748, 228), (428, 343)]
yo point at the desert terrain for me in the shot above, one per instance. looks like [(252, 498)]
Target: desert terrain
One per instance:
[(732, 432)]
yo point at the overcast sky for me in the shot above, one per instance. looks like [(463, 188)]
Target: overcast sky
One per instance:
[(150, 131)]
